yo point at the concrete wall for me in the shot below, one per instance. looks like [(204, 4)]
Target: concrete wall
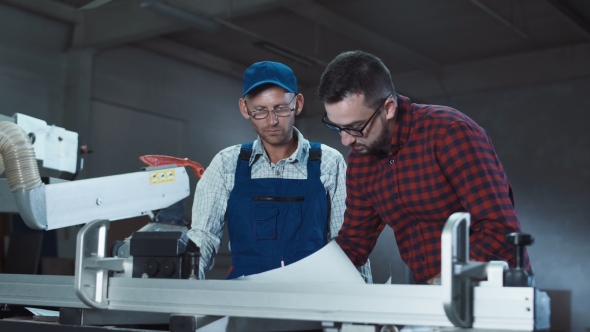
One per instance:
[(32, 65), (145, 103), (541, 135), (33, 75)]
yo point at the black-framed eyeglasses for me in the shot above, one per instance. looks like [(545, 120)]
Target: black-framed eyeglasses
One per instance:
[(279, 110), (352, 131)]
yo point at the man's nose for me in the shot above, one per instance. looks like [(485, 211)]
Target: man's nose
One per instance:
[(346, 138), (272, 118)]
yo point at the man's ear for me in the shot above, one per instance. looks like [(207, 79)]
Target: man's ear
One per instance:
[(299, 105), (243, 109), (390, 108)]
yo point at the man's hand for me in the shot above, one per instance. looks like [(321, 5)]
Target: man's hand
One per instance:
[(431, 280)]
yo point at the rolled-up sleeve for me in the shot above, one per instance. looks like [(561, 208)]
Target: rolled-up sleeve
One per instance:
[(362, 224), (468, 160), (208, 213)]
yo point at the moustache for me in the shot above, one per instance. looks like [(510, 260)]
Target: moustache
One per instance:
[(273, 128)]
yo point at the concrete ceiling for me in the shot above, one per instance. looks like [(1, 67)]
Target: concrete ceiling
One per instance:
[(418, 35)]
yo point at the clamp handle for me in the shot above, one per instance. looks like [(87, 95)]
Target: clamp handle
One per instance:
[(92, 265), (519, 241), (157, 160), (457, 272), (519, 276)]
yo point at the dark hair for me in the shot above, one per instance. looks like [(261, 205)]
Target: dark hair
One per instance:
[(356, 72)]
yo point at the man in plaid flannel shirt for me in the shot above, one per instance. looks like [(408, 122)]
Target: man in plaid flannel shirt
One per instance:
[(410, 167)]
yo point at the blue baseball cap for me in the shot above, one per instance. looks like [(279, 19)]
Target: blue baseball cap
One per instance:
[(268, 72)]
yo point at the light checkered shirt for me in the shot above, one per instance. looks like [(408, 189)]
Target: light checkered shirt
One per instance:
[(215, 187)]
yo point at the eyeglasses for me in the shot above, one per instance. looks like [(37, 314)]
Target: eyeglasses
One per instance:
[(279, 110), (352, 131)]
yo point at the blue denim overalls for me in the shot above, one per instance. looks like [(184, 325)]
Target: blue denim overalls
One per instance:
[(272, 220)]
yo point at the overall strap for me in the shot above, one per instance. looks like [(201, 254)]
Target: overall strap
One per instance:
[(243, 167), (314, 160), (246, 151)]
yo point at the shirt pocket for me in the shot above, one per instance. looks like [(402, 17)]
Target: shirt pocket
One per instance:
[(265, 222)]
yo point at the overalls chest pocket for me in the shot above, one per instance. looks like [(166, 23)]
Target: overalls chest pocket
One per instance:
[(277, 218)]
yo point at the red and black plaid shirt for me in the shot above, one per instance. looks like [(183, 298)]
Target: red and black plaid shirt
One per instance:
[(440, 162)]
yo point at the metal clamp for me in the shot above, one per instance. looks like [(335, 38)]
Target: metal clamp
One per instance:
[(92, 267), (457, 273)]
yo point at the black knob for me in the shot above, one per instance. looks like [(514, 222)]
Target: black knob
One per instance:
[(115, 248), (151, 267), (519, 241), (518, 276), (168, 267)]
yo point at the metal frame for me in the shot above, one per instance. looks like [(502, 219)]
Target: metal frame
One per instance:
[(80, 202), (494, 308), (50, 291), (64, 204), (92, 266), (489, 306), (79, 317)]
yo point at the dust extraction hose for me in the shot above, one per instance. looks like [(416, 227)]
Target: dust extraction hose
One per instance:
[(17, 151)]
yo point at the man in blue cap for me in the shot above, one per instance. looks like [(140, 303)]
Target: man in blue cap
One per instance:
[(281, 195)]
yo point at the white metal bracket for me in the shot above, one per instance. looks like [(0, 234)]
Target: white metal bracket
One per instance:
[(458, 274), (92, 267)]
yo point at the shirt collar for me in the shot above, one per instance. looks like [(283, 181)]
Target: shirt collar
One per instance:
[(403, 123), (301, 153)]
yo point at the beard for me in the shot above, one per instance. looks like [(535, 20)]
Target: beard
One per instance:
[(379, 147), (275, 135)]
